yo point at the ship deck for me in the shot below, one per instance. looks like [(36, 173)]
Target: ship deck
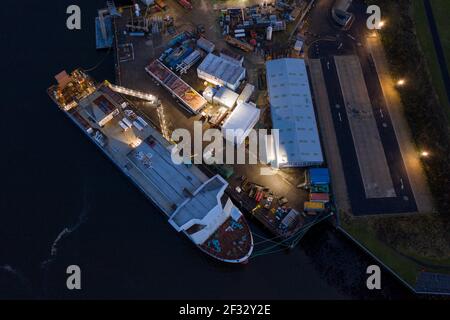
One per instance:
[(164, 182), (231, 241)]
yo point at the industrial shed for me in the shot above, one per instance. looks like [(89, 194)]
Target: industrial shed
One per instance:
[(225, 97), (293, 114), (220, 71)]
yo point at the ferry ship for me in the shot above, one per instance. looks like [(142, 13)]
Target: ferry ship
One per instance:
[(194, 203)]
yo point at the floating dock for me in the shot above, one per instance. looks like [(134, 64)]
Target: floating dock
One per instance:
[(104, 35)]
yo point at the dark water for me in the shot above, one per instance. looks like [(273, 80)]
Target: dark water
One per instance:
[(54, 178)]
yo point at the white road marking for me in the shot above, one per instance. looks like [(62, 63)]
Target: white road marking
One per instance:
[(340, 117)]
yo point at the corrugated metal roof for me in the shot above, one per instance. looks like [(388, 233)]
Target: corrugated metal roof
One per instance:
[(221, 68), (293, 113)]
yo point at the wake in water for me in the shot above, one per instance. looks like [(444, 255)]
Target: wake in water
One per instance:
[(82, 217), (18, 281)]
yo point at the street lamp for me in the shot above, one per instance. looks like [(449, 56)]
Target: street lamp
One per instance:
[(381, 24), (424, 154), (401, 82)]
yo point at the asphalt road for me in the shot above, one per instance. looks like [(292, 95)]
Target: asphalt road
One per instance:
[(348, 43)]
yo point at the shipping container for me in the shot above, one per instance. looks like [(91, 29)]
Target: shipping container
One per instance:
[(314, 206), (319, 197), (318, 176), (246, 93), (205, 44), (320, 188)]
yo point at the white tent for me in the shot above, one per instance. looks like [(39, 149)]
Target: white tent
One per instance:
[(242, 120), (225, 97)]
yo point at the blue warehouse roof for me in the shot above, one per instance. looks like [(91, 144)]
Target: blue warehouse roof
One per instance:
[(293, 113)]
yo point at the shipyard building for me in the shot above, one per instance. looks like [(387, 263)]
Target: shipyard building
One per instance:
[(292, 114), (221, 71)]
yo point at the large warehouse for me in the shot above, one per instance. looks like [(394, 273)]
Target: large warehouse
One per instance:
[(293, 114), (220, 71)]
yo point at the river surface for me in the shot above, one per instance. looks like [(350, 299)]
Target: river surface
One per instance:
[(63, 202)]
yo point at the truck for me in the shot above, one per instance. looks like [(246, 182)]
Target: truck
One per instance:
[(185, 4), (239, 44)]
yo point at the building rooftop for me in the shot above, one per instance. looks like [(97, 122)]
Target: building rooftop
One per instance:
[(226, 97), (221, 68), (188, 96), (293, 113)]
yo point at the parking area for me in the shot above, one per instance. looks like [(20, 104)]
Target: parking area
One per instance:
[(366, 138)]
